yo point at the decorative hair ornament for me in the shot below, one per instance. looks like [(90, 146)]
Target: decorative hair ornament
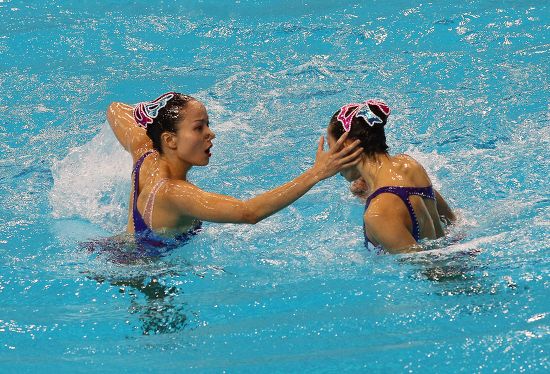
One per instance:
[(349, 111), (146, 112)]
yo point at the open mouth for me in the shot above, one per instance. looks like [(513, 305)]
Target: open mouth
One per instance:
[(208, 151)]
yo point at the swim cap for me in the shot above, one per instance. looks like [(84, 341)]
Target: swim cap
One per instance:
[(374, 112), (146, 112)]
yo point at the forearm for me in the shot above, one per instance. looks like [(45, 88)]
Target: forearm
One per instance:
[(443, 208), (270, 202), (121, 119), (118, 116), (193, 202), (118, 113)]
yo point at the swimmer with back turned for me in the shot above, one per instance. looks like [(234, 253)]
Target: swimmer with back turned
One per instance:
[(401, 206)]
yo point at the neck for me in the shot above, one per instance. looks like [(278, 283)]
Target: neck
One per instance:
[(172, 167), (370, 168)]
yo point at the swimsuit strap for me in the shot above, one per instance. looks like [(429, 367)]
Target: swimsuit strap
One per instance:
[(426, 192), (148, 211), (147, 240), (404, 193), (139, 224)]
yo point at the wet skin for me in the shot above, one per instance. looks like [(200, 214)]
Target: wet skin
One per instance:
[(179, 203), (387, 220)]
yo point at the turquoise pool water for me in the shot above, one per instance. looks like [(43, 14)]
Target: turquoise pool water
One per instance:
[(468, 85)]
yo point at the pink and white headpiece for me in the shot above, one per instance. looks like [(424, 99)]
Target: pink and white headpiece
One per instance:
[(146, 112), (350, 111)]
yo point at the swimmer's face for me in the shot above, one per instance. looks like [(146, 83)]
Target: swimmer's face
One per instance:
[(351, 173), (193, 135)]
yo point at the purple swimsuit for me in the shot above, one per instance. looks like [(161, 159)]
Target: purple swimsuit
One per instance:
[(144, 235), (403, 193)]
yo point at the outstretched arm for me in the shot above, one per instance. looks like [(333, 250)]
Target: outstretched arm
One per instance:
[(192, 201), (132, 137)]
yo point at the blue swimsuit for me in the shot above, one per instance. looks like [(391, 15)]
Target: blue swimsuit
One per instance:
[(403, 193), (144, 235)]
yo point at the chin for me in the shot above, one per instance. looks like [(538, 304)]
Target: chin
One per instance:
[(202, 163)]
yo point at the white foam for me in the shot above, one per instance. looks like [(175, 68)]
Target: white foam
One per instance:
[(93, 182), (432, 162)]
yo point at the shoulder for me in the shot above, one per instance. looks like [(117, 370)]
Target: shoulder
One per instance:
[(149, 155), (182, 193), (406, 160), (176, 195), (413, 169), (178, 185)]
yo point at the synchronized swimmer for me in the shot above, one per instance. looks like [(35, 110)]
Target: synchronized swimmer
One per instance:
[(169, 135), (401, 205)]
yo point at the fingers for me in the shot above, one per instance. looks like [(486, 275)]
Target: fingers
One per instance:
[(353, 158), (340, 141), (350, 164), (321, 146), (350, 148)]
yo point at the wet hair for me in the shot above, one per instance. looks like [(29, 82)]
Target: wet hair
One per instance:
[(167, 118), (373, 138)]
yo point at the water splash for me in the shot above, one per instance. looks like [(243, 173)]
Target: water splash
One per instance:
[(92, 182)]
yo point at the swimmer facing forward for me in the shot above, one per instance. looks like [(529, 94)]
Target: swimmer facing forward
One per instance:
[(166, 138), (401, 205)]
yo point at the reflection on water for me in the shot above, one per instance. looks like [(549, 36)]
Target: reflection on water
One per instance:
[(156, 304), (446, 267), (460, 272), (159, 311)]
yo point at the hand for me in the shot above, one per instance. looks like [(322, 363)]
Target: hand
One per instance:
[(336, 158)]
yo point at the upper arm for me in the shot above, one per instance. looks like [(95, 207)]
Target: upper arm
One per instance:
[(191, 201), (133, 138), (391, 234)]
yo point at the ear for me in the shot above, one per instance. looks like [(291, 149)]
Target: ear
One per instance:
[(169, 139)]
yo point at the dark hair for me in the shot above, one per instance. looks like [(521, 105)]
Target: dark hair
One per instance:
[(373, 138), (167, 118)]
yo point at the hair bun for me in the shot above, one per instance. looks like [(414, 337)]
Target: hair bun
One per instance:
[(146, 112), (380, 109)]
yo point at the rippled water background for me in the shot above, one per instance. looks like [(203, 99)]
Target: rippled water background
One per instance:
[(468, 85)]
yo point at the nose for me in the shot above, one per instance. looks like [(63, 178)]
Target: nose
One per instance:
[(211, 134)]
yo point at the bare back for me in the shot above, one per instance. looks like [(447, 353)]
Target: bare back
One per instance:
[(387, 213)]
